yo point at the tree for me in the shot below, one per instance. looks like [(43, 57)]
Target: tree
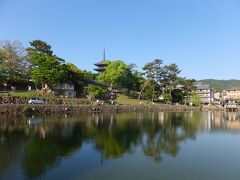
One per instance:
[(89, 75), (170, 78), (72, 74), (188, 87), (177, 96), (13, 62), (95, 91), (196, 100), (46, 68), (40, 47), (153, 72), (118, 75)]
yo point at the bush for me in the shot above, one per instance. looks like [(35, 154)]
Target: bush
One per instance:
[(196, 100)]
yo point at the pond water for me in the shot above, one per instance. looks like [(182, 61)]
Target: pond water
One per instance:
[(152, 145)]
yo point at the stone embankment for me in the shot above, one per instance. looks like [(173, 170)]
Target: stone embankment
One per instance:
[(56, 101), (12, 109), (15, 105)]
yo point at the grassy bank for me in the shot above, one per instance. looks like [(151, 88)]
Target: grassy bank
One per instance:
[(125, 100)]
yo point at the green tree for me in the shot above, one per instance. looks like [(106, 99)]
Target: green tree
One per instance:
[(95, 92), (89, 75), (188, 87), (72, 74), (45, 67), (169, 78), (39, 47), (196, 100), (177, 96), (153, 73), (118, 75)]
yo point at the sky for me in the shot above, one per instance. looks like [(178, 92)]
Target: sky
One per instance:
[(201, 36)]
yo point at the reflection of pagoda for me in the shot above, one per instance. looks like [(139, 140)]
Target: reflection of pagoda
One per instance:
[(101, 65)]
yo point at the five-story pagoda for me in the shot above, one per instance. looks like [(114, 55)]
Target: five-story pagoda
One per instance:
[(101, 65)]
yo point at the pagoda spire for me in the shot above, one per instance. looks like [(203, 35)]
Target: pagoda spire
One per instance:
[(104, 55)]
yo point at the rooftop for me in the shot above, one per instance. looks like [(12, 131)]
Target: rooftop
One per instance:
[(101, 63)]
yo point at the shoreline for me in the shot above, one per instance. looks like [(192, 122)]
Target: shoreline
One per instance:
[(18, 109)]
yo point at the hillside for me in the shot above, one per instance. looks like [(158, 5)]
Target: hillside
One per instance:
[(221, 84)]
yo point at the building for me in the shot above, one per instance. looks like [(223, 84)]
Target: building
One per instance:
[(64, 89), (102, 64), (232, 94), (205, 93)]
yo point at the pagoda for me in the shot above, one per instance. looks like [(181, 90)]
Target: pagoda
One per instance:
[(101, 65)]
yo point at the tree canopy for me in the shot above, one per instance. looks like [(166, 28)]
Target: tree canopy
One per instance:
[(13, 62), (45, 67), (117, 75)]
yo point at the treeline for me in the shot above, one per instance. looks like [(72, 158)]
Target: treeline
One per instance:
[(40, 66)]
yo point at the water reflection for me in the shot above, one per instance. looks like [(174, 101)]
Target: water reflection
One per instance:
[(216, 121), (38, 144)]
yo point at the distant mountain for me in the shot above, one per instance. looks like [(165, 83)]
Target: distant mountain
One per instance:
[(221, 84)]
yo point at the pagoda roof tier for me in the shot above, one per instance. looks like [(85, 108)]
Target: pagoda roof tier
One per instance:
[(101, 69), (101, 63)]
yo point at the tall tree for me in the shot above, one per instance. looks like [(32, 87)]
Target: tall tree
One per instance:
[(188, 87), (46, 67), (40, 47), (170, 77), (13, 62), (153, 73), (72, 74)]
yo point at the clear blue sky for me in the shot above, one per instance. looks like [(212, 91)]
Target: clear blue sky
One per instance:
[(201, 36)]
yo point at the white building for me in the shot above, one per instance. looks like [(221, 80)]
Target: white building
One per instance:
[(205, 93), (65, 89)]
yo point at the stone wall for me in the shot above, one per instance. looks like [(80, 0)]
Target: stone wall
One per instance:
[(11, 109), (24, 100)]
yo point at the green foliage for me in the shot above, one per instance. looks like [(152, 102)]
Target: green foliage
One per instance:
[(167, 97), (126, 92), (39, 47), (169, 77), (89, 75), (95, 91), (46, 68), (117, 75), (196, 100), (188, 88), (153, 70), (72, 74), (160, 78), (177, 96)]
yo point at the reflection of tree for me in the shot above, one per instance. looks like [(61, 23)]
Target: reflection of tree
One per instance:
[(117, 140), (41, 154), (114, 135), (166, 137), (12, 140), (9, 150)]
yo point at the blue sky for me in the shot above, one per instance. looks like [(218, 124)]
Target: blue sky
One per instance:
[(201, 36)]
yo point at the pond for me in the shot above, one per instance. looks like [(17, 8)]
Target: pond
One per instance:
[(150, 145)]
